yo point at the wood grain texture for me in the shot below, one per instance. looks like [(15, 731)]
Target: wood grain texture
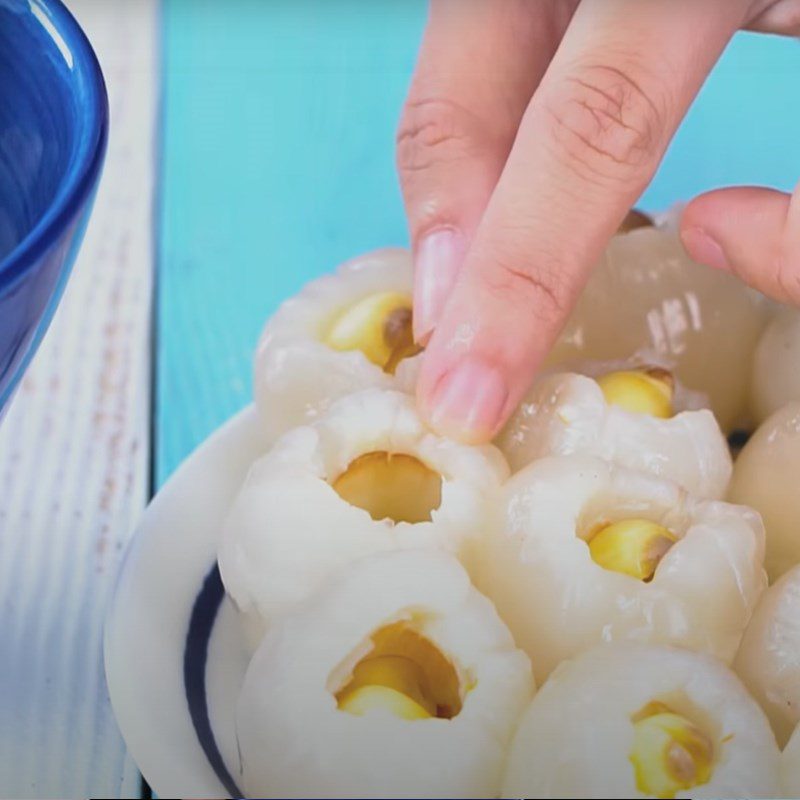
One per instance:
[(74, 457)]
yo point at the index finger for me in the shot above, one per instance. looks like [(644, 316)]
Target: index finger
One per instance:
[(588, 144)]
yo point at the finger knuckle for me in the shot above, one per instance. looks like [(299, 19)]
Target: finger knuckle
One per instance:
[(606, 124), (432, 131), (779, 16), (518, 282)]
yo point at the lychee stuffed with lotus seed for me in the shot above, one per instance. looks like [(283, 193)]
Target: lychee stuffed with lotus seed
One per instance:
[(343, 332), (646, 298), (630, 417), (629, 720), (367, 476), (396, 680), (585, 552)]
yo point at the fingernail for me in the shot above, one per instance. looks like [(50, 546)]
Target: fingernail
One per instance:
[(705, 249), (438, 259), (468, 401)]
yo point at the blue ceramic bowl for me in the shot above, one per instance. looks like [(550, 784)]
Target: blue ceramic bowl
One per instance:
[(53, 132)]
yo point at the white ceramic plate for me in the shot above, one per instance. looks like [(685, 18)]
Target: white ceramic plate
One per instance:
[(174, 653)]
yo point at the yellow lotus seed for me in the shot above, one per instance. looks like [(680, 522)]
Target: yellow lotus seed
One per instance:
[(380, 326), (670, 754), (371, 698), (646, 391), (393, 683), (403, 673), (632, 546), (393, 672)]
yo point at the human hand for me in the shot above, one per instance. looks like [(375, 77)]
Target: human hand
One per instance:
[(529, 131), (749, 231)]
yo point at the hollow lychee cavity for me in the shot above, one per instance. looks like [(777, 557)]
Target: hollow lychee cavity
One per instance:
[(671, 752), (380, 326), (405, 674), (393, 486)]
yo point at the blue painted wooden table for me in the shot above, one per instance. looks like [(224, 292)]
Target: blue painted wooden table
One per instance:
[(276, 163)]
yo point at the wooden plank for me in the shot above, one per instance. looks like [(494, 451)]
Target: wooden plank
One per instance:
[(74, 457)]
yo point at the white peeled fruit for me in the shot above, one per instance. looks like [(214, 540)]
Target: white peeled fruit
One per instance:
[(343, 332), (587, 552), (765, 477), (367, 476), (646, 297), (636, 720), (396, 680), (768, 660), (628, 417), (775, 377), (790, 766)]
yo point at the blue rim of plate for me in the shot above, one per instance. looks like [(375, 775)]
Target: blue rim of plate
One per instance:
[(195, 658)]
